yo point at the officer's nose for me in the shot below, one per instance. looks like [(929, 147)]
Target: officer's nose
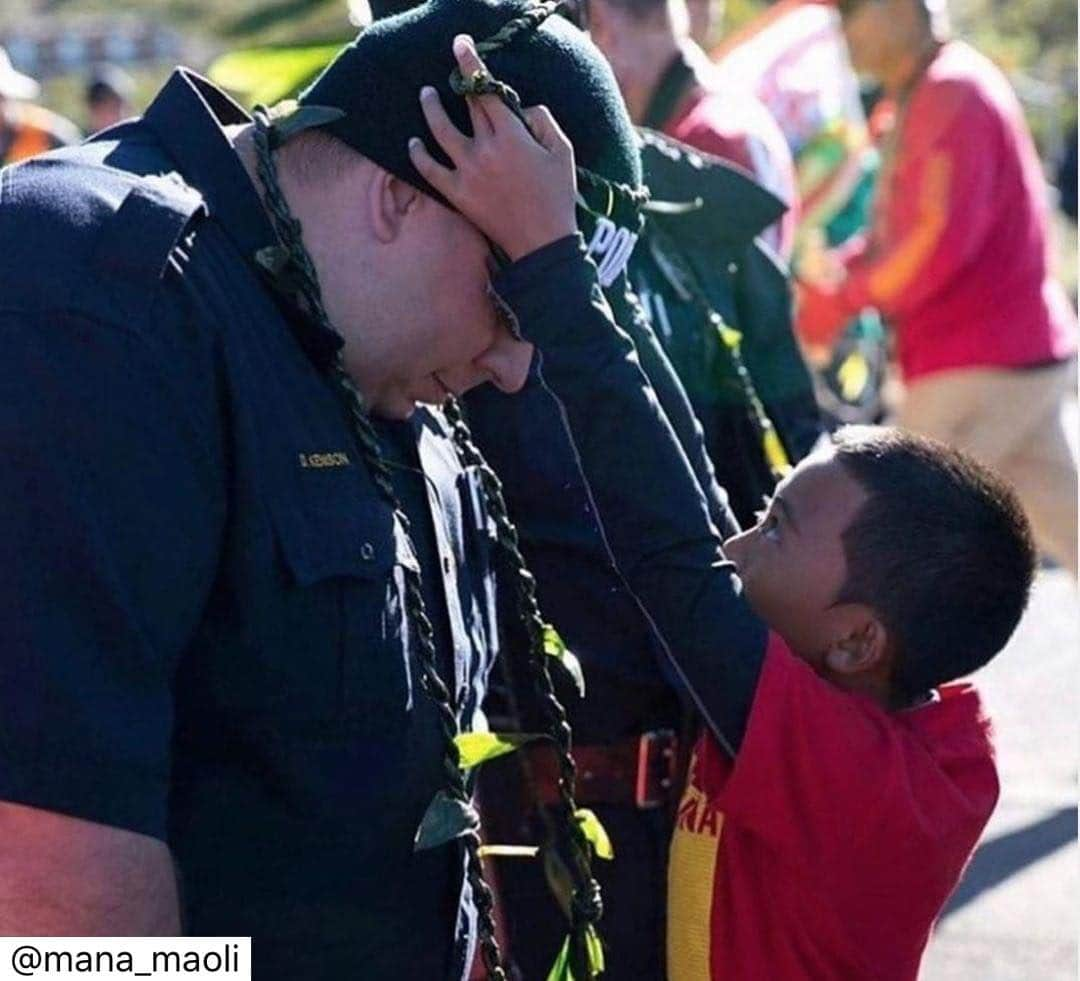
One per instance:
[(507, 362)]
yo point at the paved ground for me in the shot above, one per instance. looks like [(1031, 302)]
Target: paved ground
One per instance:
[(1015, 916)]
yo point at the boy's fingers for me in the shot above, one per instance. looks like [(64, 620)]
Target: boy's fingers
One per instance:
[(439, 177), (468, 58), (547, 131), (447, 135), (469, 62), (481, 121)]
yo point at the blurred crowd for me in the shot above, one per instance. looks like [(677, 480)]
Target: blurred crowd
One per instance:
[(28, 127)]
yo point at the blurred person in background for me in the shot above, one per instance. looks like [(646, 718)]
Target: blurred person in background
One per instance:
[(1066, 176), (957, 259), (25, 128), (109, 92), (701, 21), (670, 86), (666, 80)]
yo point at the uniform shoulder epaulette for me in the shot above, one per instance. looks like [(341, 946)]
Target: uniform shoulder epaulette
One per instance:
[(137, 241)]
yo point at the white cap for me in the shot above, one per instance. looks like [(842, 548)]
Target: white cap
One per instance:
[(13, 84)]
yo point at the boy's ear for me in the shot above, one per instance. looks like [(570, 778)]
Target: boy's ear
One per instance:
[(864, 647)]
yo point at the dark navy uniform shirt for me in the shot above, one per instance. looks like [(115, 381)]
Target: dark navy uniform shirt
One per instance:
[(200, 588)]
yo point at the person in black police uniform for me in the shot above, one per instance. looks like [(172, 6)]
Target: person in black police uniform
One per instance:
[(630, 728), (627, 727), (213, 652)]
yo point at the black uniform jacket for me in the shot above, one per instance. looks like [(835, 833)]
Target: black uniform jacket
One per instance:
[(201, 630)]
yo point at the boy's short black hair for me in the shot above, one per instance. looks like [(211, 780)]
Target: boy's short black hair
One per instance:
[(941, 551)]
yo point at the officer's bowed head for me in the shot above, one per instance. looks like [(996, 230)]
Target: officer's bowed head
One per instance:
[(375, 81)]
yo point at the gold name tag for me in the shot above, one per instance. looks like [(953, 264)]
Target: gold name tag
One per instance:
[(319, 461)]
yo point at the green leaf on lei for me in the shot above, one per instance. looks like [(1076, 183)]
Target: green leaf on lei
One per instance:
[(475, 748), (595, 951), (595, 833), (446, 818), (560, 970), (565, 969), (554, 647)]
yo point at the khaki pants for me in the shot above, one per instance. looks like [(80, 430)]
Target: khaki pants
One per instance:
[(1012, 420)]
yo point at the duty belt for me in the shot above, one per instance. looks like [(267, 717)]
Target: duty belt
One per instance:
[(639, 771)]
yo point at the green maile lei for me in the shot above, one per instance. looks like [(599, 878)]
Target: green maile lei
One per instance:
[(451, 815)]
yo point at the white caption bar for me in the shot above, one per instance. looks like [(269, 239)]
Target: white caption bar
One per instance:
[(157, 958)]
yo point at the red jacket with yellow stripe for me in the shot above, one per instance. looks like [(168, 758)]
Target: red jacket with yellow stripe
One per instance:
[(958, 258)]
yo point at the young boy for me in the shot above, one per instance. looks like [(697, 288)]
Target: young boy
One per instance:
[(841, 783), (826, 837)]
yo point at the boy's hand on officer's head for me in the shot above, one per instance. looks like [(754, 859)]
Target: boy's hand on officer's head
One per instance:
[(517, 188)]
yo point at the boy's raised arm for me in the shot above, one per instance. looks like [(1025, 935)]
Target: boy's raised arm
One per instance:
[(654, 518), (517, 188)]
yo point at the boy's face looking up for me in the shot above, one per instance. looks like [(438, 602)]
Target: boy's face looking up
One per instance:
[(793, 568)]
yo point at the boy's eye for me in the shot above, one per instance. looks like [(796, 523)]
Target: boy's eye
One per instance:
[(767, 524)]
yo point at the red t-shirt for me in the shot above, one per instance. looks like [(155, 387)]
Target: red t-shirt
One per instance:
[(737, 127), (829, 846), (958, 258)]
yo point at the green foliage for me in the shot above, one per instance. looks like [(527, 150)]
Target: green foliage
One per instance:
[(581, 958), (594, 950), (1034, 42), (239, 23), (268, 75), (247, 21), (595, 833), (554, 647), (560, 970), (479, 747), (730, 15)]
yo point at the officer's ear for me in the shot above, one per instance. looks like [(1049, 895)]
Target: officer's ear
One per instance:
[(390, 201)]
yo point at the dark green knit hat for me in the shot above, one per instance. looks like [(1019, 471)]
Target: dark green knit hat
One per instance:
[(376, 82)]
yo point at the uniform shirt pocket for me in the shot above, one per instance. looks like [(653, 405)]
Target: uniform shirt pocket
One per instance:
[(361, 553), (331, 645)]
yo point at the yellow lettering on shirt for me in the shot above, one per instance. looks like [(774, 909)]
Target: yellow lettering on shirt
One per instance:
[(319, 461), (691, 878)]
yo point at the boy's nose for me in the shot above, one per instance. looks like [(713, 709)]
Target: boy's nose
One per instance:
[(734, 546)]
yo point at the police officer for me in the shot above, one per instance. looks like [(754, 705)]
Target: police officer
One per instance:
[(744, 373), (631, 705), (247, 591), (667, 82)]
